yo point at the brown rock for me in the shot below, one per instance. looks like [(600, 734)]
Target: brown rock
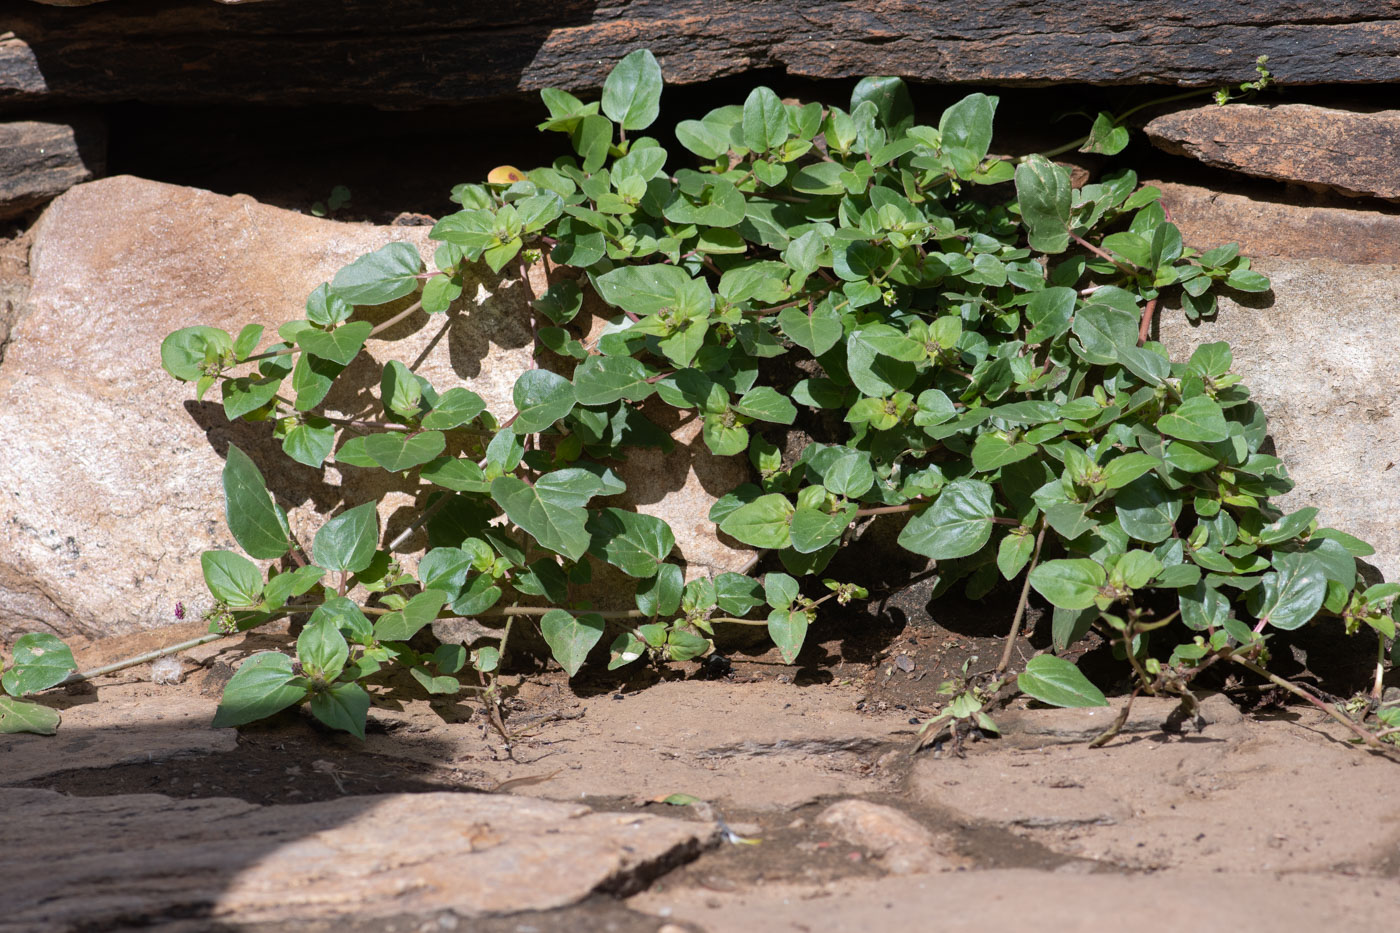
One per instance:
[(1321, 355), (1210, 218), (1356, 154), (406, 55), (355, 857), (901, 844), (41, 160), (1148, 715)]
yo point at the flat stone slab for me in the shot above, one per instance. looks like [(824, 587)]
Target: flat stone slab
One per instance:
[(87, 861), (1355, 154), (1209, 218), (41, 159), (1321, 354), (1255, 797), (115, 730), (1148, 715)]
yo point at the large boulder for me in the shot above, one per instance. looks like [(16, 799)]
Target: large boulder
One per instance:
[(110, 469), (1321, 353)]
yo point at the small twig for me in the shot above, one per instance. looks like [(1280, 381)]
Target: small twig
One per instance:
[(1021, 604), (1145, 327), (142, 658), (1368, 738)]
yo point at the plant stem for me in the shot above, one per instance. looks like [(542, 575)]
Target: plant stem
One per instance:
[(1366, 737), (1021, 604), (396, 318), (1102, 254), (142, 658), (1146, 326)]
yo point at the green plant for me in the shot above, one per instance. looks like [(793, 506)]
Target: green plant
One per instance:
[(979, 326), (39, 661), (339, 197)]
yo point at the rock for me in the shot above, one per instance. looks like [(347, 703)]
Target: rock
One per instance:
[(41, 160), (1037, 727), (112, 469), (1355, 154), (1321, 354), (901, 844), (406, 54), (1209, 218), (121, 729), (354, 857)]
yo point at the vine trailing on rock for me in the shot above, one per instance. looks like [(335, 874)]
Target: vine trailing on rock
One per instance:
[(978, 325)]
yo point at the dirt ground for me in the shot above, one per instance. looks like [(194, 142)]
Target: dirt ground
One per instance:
[(1266, 819)]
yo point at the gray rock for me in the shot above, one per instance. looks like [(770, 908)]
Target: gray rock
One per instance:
[(1321, 354), (1036, 727), (84, 861), (1356, 154), (40, 160)]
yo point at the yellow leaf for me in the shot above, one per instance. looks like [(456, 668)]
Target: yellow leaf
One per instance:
[(504, 175)]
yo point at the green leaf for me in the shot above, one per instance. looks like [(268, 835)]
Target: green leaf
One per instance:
[(632, 91), (342, 706), (788, 629), (992, 451), (1292, 594), (780, 590), (968, 124), (1043, 190), (813, 529), (570, 639), (890, 95), (17, 716), (1049, 312), (310, 442), (1013, 553), (1288, 527), (848, 474), (348, 541), (1057, 682), (185, 353), (256, 522), (406, 622), (554, 517), (341, 345), (625, 649), (635, 543), (765, 403), (397, 451), (816, 332), (765, 123), (40, 660), (244, 395), (762, 522), (321, 648), (1104, 137), (455, 407), (736, 594), (1121, 471), (312, 379), (1247, 280), (232, 578), (602, 380), (542, 398), (284, 586), (1069, 584), (661, 595), (1197, 419), (645, 290), (1067, 626), (957, 525), (1148, 510), (261, 686), (387, 273)]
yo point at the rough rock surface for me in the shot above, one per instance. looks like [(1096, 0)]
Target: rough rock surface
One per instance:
[(1356, 154), (157, 857), (1261, 227), (407, 55), (1148, 716), (1160, 803), (111, 469), (1321, 354), (901, 844), (40, 160)]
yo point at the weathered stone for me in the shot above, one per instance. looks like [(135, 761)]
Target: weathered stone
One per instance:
[(406, 54), (353, 857), (1356, 154), (112, 470), (118, 730), (1321, 354), (1209, 218), (901, 844), (41, 160)]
